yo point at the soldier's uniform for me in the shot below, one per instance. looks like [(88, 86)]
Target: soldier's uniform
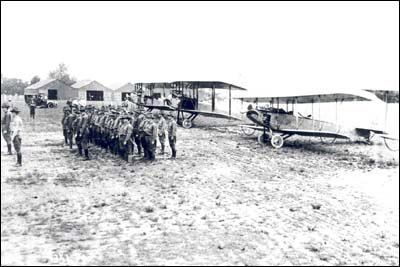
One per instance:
[(150, 136), (65, 126), (171, 129), (136, 132), (84, 133), (142, 138), (16, 129), (125, 138), (162, 127), (76, 125), (108, 131), (70, 127), (91, 115), (103, 132), (5, 126), (114, 135)]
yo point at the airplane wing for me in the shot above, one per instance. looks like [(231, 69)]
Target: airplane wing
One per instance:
[(301, 132), (210, 114), (207, 84), (387, 96), (386, 136), (303, 99), (367, 130)]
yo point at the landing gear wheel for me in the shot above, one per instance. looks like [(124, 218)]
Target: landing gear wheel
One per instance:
[(248, 131), (277, 141), (392, 145), (186, 124), (263, 139)]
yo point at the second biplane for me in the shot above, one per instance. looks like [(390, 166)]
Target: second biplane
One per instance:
[(277, 124), (189, 99)]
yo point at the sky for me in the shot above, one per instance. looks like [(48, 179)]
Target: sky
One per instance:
[(264, 47)]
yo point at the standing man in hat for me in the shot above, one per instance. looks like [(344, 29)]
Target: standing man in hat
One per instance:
[(76, 125), (65, 125), (32, 109), (171, 128), (150, 135), (125, 138), (162, 127), (136, 132), (16, 129), (5, 126), (70, 126)]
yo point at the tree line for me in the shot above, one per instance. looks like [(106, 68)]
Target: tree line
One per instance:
[(15, 86)]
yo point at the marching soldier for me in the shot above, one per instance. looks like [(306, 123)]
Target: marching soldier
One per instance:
[(16, 129), (5, 126), (172, 128)]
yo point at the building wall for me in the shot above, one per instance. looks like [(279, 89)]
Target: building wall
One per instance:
[(95, 86), (64, 92), (117, 94)]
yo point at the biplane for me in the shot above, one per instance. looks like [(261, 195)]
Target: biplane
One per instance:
[(189, 99), (277, 124)]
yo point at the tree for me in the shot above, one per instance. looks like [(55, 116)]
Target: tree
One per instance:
[(61, 73), (35, 79), (12, 86)]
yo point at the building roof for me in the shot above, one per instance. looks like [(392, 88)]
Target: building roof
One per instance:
[(126, 87), (82, 83), (40, 84)]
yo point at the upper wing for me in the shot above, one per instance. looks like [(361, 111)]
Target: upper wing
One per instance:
[(312, 98), (387, 96), (206, 84)]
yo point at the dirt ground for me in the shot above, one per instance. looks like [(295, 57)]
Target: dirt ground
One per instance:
[(224, 201)]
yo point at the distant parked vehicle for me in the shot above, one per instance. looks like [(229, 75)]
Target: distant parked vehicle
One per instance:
[(40, 101)]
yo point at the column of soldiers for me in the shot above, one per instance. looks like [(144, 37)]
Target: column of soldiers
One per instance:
[(118, 131)]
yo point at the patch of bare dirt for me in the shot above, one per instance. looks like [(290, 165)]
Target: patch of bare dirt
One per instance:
[(224, 201)]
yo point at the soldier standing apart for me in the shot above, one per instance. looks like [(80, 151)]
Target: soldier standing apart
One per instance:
[(162, 127), (32, 109), (5, 126), (70, 127), (16, 129), (150, 136), (65, 126), (125, 138), (171, 128)]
